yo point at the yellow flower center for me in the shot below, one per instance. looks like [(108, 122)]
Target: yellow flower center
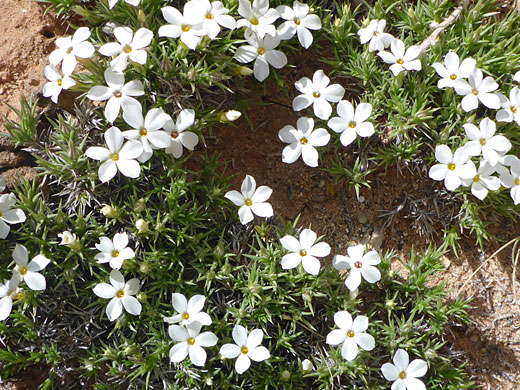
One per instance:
[(316, 94), (358, 264), (244, 350), (400, 61), (261, 51), (143, 132), (303, 252), (297, 21), (304, 141), (451, 166), (482, 141), (120, 294), (59, 82), (513, 109), (209, 15), (23, 271), (453, 76), (185, 27), (185, 316), (517, 181), (69, 50), (118, 94), (476, 179), (254, 21), (402, 375), (350, 333), (248, 202), (474, 91), (115, 253), (114, 157), (352, 124), (174, 134), (191, 340), (127, 49), (375, 33)]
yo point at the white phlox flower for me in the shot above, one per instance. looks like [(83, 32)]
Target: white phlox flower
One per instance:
[(56, 83), (186, 26), (516, 77), (298, 21), (147, 130), (510, 107), (8, 291), (251, 200), (402, 59), (352, 334), (180, 138), (319, 93), (29, 271), (453, 168), (69, 239), (511, 179), (191, 342), (118, 94), (129, 46), (350, 122), (120, 294), (71, 47), (484, 141), (375, 34), (360, 264), (477, 88), (215, 16), (246, 348), (405, 374), (117, 156), (304, 251), (188, 311), (483, 181), (263, 52), (2, 184), (303, 141), (112, 3), (452, 70), (258, 18), (114, 251), (9, 215)]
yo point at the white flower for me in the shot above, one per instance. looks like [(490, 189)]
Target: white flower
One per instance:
[(483, 181), (187, 26), (516, 77), (511, 179), (360, 264), (453, 70), (130, 46), (56, 83), (251, 200), (230, 116), (476, 89), (453, 168), (351, 334), (262, 52), (117, 93), (400, 59), (319, 93), (307, 365), (189, 311), (374, 32), (215, 15), (29, 270), (135, 3), (245, 348), (179, 137), (147, 130), (2, 184), (71, 47), (351, 123), (405, 375), (304, 251), (510, 107), (191, 342), (8, 291), (117, 156), (303, 141), (8, 214), (120, 295), (69, 239), (114, 251), (141, 225), (258, 18), (298, 21), (485, 141)]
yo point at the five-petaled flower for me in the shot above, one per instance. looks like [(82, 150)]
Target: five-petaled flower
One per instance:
[(298, 21), (483, 181), (360, 264), (8, 214), (351, 334), (186, 26), (351, 123), (375, 34), (130, 46), (453, 168), (405, 374), (179, 136), (8, 291), (258, 18), (56, 83), (215, 16), (251, 200), (114, 251), (188, 311), (477, 88), (303, 141), (71, 47), (484, 141), (453, 70), (510, 107), (319, 93), (304, 251), (120, 294), (29, 271), (191, 342), (246, 348), (402, 59)]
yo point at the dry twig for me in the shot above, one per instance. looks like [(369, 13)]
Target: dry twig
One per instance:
[(440, 28)]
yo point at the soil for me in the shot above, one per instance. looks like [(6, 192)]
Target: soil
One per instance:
[(401, 210)]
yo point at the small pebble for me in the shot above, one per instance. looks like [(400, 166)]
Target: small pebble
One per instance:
[(362, 218)]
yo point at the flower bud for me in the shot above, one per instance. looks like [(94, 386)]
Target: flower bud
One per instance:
[(109, 211), (228, 116), (286, 375), (140, 205), (307, 365), (141, 225), (244, 71), (141, 17), (69, 239), (145, 268)]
